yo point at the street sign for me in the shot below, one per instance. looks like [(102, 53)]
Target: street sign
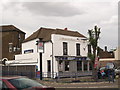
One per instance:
[(41, 47)]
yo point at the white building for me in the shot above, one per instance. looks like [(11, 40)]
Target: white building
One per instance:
[(64, 51)]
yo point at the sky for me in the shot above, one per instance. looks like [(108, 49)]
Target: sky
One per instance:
[(76, 15)]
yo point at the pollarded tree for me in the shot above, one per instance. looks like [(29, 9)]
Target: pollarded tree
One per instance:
[(94, 35)]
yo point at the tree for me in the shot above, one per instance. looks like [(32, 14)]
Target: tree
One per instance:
[(94, 35)]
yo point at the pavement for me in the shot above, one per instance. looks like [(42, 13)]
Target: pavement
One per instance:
[(100, 84)]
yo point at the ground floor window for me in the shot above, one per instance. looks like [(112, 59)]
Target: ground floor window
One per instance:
[(90, 66), (49, 65), (79, 65), (85, 65), (66, 65), (60, 65)]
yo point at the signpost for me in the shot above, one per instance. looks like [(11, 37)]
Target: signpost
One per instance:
[(40, 45)]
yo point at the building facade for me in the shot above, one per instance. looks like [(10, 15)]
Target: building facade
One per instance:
[(107, 57), (11, 40), (60, 50)]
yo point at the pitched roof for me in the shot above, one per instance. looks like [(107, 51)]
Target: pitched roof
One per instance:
[(45, 33), (105, 54), (6, 28)]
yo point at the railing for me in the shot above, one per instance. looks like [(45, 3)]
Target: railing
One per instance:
[(64, 74), (75, 74), (55, 75)]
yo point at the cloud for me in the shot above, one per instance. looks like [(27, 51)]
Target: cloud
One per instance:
[(109, 32), (78, 16), (112, 20), (53, 9)]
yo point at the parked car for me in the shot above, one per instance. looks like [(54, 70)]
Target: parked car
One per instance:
[(117, 70), (21, 83), (102, 72)]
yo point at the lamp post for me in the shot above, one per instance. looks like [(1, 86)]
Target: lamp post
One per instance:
[(40, 46)]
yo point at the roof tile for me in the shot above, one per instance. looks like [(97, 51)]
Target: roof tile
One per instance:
[(5, 28), (45, 33)]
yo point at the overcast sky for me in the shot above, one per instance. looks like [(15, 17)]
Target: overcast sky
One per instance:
[(77, 16)]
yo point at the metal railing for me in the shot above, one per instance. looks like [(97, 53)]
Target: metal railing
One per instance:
[(55, 75)]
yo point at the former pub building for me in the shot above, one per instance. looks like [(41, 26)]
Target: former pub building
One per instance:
[(61, 50)]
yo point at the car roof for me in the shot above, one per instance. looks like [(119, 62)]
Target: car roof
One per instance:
[(10, 77)]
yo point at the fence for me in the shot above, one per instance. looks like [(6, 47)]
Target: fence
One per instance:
[(74, 74), (30, 71), (64, 76), (27, 70), (16, 73)]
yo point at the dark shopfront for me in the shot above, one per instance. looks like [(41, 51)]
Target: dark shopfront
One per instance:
[(73, 64)]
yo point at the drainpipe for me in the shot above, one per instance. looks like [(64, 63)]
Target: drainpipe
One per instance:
[(52, 61)]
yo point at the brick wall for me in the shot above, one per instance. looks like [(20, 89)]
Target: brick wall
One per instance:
[(104, 63)]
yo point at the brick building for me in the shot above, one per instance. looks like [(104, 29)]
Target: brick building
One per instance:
[(106, 57), (11, 39)]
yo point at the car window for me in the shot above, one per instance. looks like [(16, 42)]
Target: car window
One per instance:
[(23, 83), (0, 85), (3, 85)]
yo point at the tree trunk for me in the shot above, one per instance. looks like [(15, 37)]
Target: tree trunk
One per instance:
[(94, 72)]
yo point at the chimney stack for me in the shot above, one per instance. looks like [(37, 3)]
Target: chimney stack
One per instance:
[(105, 48)]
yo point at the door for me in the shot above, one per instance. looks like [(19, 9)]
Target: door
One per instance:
[(49, 67)]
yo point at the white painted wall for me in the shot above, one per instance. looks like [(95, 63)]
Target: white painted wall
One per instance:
[(117, 53), (30, 45), (35, 56), (47, 55), (57, 41), (58, 45), (27, 58)]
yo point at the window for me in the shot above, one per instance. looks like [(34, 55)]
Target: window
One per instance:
[(65, 48), (10, 47), (28, 51), (60, 65), (89, 48), (15, 49), (49, 65), (66, 65), (85, 65), (78, 49), (3, 86), (79, 65), (24, 83), (90, 66)]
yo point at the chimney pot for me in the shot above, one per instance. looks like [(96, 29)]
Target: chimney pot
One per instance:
[(65, 29), (105, 48)]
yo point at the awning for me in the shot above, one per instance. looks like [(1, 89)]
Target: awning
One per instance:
[(70, 58)]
